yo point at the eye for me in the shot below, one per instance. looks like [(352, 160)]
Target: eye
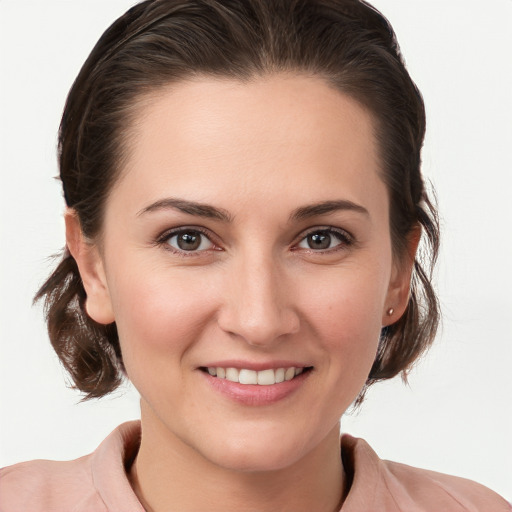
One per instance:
[(324, 239), (189, 240)]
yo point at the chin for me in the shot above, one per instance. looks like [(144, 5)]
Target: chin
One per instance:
[(255, 450), (256, 458)]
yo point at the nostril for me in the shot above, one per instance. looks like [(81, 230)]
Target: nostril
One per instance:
[(259, 328)]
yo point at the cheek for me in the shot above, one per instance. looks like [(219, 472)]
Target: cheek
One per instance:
[(344, 310), (159, 311)]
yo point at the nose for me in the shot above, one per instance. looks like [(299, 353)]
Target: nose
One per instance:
[(258, 302)]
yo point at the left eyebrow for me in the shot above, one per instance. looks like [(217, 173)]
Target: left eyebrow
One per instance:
[(326, 207)]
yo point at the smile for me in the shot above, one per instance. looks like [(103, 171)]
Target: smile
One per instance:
[(267, 377)]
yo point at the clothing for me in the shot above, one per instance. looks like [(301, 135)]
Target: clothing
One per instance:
[(98, 483)]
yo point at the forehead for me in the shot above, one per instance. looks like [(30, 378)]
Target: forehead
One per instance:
[(209, 138)]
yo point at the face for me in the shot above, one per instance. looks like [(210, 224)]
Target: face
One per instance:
[(246, 260)]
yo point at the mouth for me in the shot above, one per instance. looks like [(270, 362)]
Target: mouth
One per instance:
[(266, 377)]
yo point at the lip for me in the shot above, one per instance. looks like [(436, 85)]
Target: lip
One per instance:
[(252, 394)]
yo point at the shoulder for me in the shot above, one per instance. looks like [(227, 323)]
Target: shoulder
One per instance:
[(403, 487), (96, 482), (42, 485), (441, 490)]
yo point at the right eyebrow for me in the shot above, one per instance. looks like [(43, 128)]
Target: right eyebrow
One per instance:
[(189, 207)]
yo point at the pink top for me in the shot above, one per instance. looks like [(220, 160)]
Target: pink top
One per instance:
[(98, 483)]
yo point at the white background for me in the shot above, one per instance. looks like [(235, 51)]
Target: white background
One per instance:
[(456, 415)]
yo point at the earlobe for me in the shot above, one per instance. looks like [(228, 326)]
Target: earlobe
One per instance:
[(400, 284), (86, 254)]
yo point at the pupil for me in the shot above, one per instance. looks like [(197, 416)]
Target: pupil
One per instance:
[(319, 241), (189, 241)]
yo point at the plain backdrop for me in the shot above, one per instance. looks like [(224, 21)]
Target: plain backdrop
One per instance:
[(456, 414)]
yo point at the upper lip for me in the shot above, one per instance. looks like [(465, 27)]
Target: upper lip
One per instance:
[(255, 365)]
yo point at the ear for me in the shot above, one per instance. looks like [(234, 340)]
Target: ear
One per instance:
[(400, 283), (90, 264)]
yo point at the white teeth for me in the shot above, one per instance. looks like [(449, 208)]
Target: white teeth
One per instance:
[(248, 377), (232, 374), (262, 378), (266, 377), (289, 373)]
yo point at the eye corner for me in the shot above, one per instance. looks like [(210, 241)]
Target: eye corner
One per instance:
[(324, 237), (197, 241)]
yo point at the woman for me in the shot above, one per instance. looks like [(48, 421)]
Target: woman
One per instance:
[(244, 209)]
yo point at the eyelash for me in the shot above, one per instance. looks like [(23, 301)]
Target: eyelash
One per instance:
[(345, 239), (164, 238)]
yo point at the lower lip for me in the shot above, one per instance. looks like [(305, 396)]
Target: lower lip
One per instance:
[(252, 394)]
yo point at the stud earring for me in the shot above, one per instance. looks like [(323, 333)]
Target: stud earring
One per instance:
[(390, 311)]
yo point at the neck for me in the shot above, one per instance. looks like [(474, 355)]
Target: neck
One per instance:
[(167, 474)]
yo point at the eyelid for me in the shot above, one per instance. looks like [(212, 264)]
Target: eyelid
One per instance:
[(346, 238), (163, 240)]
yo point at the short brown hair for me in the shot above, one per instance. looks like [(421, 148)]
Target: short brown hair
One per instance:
[(348, 43)]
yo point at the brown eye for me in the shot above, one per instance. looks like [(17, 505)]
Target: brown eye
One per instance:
[(325, 239), (190, 241), (319, 240)]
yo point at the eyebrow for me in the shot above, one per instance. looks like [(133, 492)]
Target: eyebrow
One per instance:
[(190, 207), (326, 207), (212, 212)]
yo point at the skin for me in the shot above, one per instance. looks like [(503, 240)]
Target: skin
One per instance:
[(254, 291)]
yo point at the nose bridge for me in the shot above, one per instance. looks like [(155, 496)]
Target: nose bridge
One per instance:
[(258, 306)]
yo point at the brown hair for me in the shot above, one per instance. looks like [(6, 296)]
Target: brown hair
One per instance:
[(346, 42)]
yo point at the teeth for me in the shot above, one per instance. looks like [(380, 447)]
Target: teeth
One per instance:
[(266, 377), (262, 378), (289, 373), (232, 374), (248, 377)]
